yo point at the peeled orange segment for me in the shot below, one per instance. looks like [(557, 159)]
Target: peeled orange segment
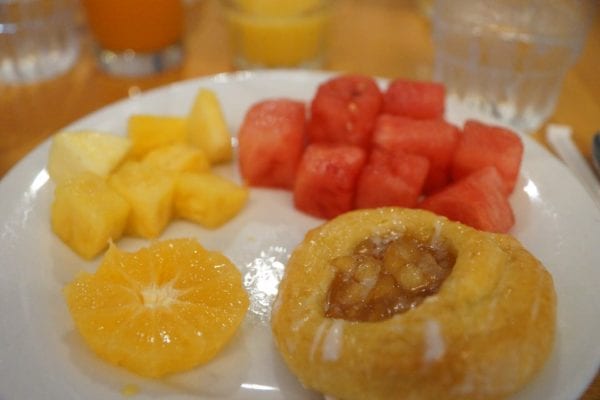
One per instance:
[(163, 309)]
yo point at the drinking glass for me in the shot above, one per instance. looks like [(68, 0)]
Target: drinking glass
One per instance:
[(39, 39), (277, 33), (507, 59), (136, 37)]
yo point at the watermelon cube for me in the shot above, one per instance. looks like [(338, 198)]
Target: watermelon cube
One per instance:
[(477, 200), (434, 139), (271, 141), (414, 99), (326, 179), (391, 180), (344, 110), (483, 145)]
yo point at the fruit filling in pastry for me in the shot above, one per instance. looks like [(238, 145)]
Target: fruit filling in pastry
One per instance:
[(386, 275), (399, 303)]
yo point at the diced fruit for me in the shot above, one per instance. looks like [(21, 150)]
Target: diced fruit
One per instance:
[(178, 157), (149, 192), (483, 145), (434, 139), (207, 127), (163, 309), (391, 180), (326, 179), (149, 132), (415, 99), (208, 199), (86, 214), (72, 153), (477, 200), (271, 142), (344, 110)]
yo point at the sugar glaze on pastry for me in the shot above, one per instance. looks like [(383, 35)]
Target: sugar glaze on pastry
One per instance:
[(463, 315)]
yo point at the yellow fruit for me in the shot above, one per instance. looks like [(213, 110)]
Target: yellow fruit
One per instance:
[(178, 158), (208, 199), (162, 309), (86, 214), (148, 132), (72, 153), (207, 127), (149, 191)]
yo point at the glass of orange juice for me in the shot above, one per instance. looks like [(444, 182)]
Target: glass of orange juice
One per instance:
[(136, 37), (277, 33)]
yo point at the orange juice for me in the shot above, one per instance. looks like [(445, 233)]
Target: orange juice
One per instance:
[(144, 26), (278, 33)]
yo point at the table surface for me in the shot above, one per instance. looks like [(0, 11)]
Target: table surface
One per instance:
[(387, 38)]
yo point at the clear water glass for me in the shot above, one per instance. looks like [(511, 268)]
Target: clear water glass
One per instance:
[(507, 59), (39, 39)]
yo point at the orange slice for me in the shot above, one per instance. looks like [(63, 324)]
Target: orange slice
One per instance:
[(163, 309)]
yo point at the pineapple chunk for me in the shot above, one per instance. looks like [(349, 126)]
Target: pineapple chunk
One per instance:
[(178, 158), (87, 213), (72, 153), (149, 192), (208, 199), (148, 132), (207, 127)]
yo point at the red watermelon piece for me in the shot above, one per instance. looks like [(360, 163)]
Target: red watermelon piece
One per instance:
[(271, 141), (483, 145), (344, 110), (478, 200), (435, 140), (415, 99), (326, 179), (391, 180)]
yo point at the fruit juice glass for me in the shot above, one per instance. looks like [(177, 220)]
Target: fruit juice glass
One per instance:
[(136, 37), (506, 59), (277, 33)]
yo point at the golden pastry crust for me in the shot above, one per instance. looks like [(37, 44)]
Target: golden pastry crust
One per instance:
[(483, 335)]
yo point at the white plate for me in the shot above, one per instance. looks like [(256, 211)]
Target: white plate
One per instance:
[(41, 356)]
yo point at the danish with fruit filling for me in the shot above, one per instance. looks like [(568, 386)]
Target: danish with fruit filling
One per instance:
[(401, 303)]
